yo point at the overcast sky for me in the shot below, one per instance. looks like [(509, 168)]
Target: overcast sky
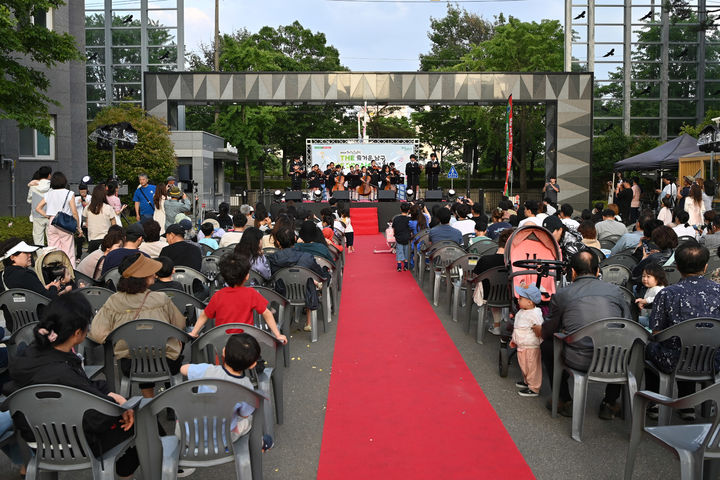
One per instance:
[(370, 36)]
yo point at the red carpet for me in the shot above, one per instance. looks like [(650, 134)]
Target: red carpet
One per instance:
[(364, 221), (402, 402)]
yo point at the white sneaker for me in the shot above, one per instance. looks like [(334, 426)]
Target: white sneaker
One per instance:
[(185, 472), (494, 330)]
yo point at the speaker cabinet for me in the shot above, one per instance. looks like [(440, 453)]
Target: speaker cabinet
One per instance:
[(386, 195), (294, 195), (433, 196), (341, 195)]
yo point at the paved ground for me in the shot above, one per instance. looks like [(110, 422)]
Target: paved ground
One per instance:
[(545, 442)]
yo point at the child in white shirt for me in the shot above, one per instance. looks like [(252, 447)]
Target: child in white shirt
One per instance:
[(526, 337)]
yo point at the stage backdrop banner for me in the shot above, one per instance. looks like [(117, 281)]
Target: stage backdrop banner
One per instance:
[(347, 154)]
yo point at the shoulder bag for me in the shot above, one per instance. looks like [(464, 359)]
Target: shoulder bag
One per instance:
[(64, 221)]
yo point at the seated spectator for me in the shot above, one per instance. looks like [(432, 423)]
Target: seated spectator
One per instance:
[(313, 241), (152, 243), (134, 300), (565, 214), (236, 303), (134, 236), (99, 217), (207, 231), (492, 260), (216, 232), (609, 226), (664, 241), (548, 206), (682, 226), (462, 222), (12, 450), (589, 234), (711, 240), (632, 239), (692, 297), (330, 239), (532, 209), (283, 222), (597, 213), (182, 253), (570, 241), (262, 217), (654, 279), (17, 259), (481, 227), (225, 220), (586, 300), (587, 216), (233, 236), (444, 231), (92, 264), (665, 215), (51, 358), (498, 224), (164, 276), (249, 247)]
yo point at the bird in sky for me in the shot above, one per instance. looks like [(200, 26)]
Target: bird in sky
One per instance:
[(582, 15), (127, 19), (610, 53), (649, 16)]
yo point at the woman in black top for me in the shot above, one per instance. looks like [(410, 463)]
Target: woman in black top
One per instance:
[(224, 218), (50, 359), (17, 258)]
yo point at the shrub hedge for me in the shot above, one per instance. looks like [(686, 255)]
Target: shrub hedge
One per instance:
[(16, 227)]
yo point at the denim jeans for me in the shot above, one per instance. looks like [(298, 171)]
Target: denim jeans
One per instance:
[(402, 252), (12, 450)]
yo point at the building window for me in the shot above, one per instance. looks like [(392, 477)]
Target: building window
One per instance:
[(34, 144), (43, 18)]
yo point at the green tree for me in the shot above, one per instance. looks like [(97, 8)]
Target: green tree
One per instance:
[(23, 84), (154, 153)]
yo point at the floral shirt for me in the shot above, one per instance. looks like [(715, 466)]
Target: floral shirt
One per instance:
[(691, 297)]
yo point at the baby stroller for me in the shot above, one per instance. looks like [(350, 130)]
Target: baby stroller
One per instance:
[(52, 264), (532, 256)]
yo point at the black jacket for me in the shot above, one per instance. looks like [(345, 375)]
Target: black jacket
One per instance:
[(21, 277)]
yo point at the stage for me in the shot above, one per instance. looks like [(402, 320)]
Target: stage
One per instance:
[(385, 210)]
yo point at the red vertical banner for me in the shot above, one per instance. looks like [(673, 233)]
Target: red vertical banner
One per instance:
[(508, 141)]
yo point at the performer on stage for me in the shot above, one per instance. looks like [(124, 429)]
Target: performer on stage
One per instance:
[(374, 179), (329, 177), (433, 172), (296, 177), (315, 178), (365, 188), (412, 172), (353, 181)]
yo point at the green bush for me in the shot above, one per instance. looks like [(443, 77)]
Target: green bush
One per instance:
[(20, 227)]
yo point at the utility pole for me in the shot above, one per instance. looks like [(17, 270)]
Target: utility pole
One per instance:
[(217, 50)]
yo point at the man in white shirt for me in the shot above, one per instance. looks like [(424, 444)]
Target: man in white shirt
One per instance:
[(233, 236), (609, 226), (565, 214), (36, 191), (668, 191), (462, 223), (531, 211)]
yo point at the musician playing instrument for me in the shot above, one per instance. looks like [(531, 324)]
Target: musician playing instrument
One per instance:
[(412, 172), (433, 172), (338, 179), (296, 176), (374, 172), (353, 180), (329, 175), (365, 188), (315, 177)]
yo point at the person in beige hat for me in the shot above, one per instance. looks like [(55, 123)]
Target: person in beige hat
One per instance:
[(134, 301)]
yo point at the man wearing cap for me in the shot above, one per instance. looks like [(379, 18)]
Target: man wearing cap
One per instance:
[(17, 259), (432, 169), (134, 236), (143, 198), (177, 202), (182, 253), (412, 173), (171, 181), (586, 300)]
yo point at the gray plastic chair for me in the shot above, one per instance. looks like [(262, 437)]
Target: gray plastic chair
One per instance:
[(209, 346), (699, 340), (55, 415), (204, 417), (194, 283), (82, 280), (21, 338), (460, 274), (282, 316), (295, 279), (693, 444), (439, 260), (425, 252), (255, 279), (209, 266), (220, 252), (672, 274), (686, 238), (483, 247), (334, 287), (466, 239), (498, 295), (96, 296), (618, 347), (24, 306), (146, 341), (186, 303), (609, 242), (110, 279), (206, 250), (417, 242), (620, 259), (616, 274)]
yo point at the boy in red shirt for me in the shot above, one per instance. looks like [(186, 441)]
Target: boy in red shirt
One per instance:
[(235, 304)]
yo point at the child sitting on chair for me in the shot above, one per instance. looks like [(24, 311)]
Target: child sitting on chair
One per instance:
[(235, 303), (241, 352), (526, 337)]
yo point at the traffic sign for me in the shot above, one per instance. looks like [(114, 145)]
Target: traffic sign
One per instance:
[(453, 173)]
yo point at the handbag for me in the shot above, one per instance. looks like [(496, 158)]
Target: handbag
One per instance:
[(64, 221)]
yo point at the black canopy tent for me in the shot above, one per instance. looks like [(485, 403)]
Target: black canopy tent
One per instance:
[(662, 157)]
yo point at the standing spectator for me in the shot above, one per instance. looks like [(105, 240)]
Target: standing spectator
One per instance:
[(100, 217), (159, 204), (401, 230), (635, 202), (81, 202), (623, 198), (609, 226), (182, 253), (176, 203), (692, 297), (412, 173), (694, 205), (60, 199), (114, 200), (37, 189), (143, 198), (551, 189), (444, 231), (669, 190)]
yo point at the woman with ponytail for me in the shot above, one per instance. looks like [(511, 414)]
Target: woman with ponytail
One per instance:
[(51, 359)]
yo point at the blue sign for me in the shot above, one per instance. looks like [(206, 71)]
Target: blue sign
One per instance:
[(453, 173)]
